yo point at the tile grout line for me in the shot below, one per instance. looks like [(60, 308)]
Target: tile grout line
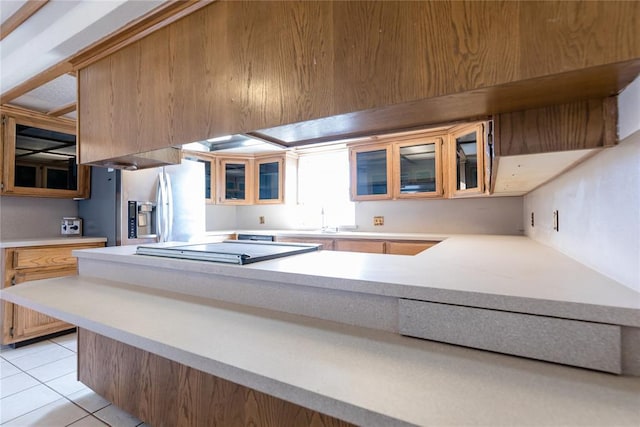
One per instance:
[(39, 382), (89, 414), (38, 366)]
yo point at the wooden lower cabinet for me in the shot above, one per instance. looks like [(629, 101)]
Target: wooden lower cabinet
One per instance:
[(408, 248), (399, 247), (325, 244), (162, 392), (24, 264), (368, 246)]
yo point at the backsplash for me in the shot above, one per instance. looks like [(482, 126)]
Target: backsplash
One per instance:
[(488, 215), (220, 217), (483, 215), (33, 217)]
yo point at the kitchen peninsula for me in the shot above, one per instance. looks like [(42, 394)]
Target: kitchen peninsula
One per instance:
[(327, 338)]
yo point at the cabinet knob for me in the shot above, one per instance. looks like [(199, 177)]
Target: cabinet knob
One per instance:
[(13, 280)]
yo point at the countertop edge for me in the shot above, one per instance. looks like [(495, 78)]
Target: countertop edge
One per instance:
[(49, 241), (594, 311), (557, 380)]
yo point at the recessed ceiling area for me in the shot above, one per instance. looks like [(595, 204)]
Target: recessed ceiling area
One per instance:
[(58, 30), (51, 95)]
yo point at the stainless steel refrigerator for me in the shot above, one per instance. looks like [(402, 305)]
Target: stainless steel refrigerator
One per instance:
[(144, 206)]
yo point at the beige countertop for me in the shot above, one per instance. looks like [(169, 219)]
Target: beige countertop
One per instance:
[(511, 273), (48, 241), (367, 377)]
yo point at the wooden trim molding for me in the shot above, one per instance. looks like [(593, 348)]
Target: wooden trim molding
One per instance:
[(161, 16), (60, 124), (62, 110), (21, 15)]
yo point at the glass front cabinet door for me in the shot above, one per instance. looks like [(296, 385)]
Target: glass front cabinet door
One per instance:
[(209, 173), (39, 158), (417, 165), (269, 180), (236, 182), (371, 172), (466, 161)]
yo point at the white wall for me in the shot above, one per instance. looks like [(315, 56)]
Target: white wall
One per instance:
[(598, 203), (33, 217), (220, 217), (275, 217)]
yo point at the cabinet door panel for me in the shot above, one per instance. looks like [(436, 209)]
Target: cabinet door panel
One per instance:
[(467, 161), (269, 180), (236, 178), (326, 244), (408, 248), (418, 168), (31, 324), (368, 246), (35, 263), (371, 172), (40, 156), (209, 173)]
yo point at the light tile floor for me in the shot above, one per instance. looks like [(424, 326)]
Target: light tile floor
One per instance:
[(38, 387)]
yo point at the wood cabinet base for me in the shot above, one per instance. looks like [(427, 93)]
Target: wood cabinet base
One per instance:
[(165, 393)]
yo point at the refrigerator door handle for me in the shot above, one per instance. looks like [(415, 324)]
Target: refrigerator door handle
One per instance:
[(160, 213), (169, 205)]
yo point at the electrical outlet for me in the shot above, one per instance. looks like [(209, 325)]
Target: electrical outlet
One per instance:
[(378, 220), (261, 219), (556, 221)]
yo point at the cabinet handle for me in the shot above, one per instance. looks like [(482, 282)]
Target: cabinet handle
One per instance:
[(13, 280)]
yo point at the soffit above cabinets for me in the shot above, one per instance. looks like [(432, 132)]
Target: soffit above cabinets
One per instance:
[(518, 175)]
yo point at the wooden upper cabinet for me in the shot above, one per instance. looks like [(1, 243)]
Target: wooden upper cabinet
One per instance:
[(417, 170), (39, 156), (416, 165), (269, 176), (371, 172), (366, 67), (235, 176), (575, 126), (466, 160), (250, 179), (533, 146), (210, 177)]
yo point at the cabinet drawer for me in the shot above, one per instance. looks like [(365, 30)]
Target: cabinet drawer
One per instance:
[(43, 257), (571, 342)]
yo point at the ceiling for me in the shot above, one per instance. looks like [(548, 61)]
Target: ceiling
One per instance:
[(58, 30)]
